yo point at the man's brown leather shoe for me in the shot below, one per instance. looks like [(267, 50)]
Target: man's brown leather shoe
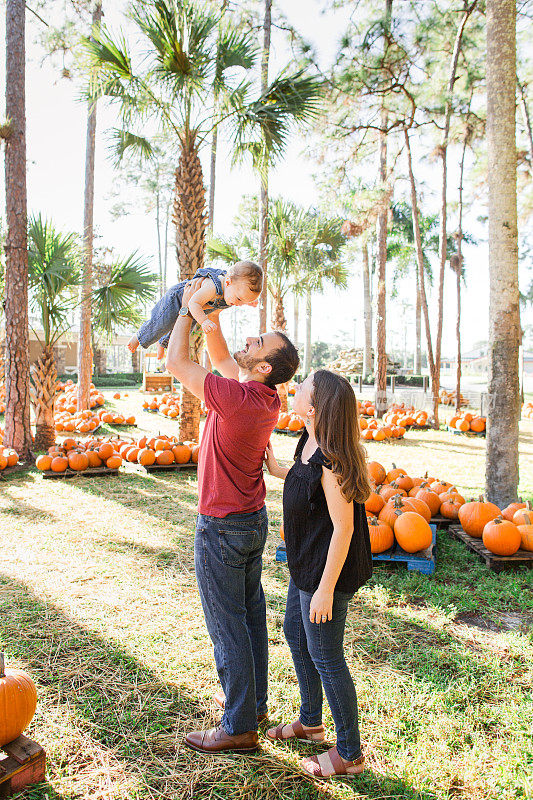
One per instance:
[(216, 740), (220, 701)]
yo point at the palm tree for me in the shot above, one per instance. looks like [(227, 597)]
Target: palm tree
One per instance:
[(171, 85), (504, 322), (17, 432), (319, 258), (54, 276)]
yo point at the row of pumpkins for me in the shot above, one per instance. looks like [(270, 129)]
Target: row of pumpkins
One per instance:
[(380, 433), (168, 405), (402, 507), (111, 453), (290, 422), (468, 422), (69, 400)]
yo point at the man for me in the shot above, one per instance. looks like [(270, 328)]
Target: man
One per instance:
[(232, 522)]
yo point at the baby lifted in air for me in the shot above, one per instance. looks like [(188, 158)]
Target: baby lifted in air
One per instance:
[(240, 285)]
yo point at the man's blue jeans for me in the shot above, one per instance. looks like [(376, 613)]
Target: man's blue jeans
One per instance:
[(318, 654), (228, 561)]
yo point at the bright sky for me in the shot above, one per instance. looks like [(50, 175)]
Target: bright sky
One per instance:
[(56, 156)]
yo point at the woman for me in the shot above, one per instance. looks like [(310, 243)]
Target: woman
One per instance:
[(328, 555)]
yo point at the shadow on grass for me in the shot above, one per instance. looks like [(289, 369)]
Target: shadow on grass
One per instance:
[(116, 708), (21, 508)]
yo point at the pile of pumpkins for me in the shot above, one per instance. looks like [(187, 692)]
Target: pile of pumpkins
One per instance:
[(114, 417), (163, 450), (380, 433), (8, 457), (527, 410), (290, 422), (81, 455), (68, 400), (400, 507), (404, 416), (76, 422), (448, 398), (468, 422), (366, 408)]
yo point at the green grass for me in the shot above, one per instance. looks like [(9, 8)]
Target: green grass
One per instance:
[(98, 601)]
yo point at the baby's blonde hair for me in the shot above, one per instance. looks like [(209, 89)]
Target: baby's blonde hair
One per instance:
[(247, 271)]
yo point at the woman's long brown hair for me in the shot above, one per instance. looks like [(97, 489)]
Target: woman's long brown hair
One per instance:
[(337, 433)]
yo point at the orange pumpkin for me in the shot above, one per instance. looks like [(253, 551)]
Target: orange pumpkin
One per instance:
[(94, 459), (78, 461), (374, 503), (42, 462), (389, 490), (59, 464), (106, 450), (18, 701), (381, 535), (404, 482), (431, 499), (450, 508), (526, 534), (282, 531), (165, 457), (418, 505), (146, 457), (195, 453), (114, 462), (501, 537), (412, 532), (509, 512), (392, 510), (475, 515), (182, 453), (524, 516), (478, 424), (283, 421), (394, 473), (452, 495), (377, 472)]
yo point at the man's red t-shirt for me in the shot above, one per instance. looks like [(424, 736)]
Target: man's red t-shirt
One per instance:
[(239, 424)]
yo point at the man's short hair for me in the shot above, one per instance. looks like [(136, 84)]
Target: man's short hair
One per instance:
[(284, 361)]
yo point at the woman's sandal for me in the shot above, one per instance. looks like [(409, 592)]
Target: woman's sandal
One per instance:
[(340, 767), (316, 735)]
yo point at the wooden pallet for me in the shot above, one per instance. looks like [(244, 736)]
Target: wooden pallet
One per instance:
[(522, 558), (442, 522), (472, 434), (24, 763), (424, 561), (174, 467), (289, 433), (85, 473)]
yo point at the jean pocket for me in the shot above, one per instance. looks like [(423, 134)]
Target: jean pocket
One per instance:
[(236, 546)]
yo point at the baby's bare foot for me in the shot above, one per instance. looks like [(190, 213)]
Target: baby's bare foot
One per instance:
[(133, 343)]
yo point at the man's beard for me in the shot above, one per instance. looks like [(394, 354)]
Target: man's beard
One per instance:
[(245, 361)]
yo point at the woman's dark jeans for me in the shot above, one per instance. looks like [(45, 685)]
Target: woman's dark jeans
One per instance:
[(318, 655)]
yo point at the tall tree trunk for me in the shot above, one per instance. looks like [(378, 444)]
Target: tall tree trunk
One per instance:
[(504, 311), (17, 432), (85, 356), (190, 221), (417, 361), (422, 281), (308, 345), (158, 229), (212, 178), (367, 314), (467, 10), (380, 365), (296, 318), (43, 393), (458, 266), (263, 191)]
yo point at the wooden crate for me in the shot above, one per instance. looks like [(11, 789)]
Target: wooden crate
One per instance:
[(84, 473), (24, 763), (522, 558), (423, 561)]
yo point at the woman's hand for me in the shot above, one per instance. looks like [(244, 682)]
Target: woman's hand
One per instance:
[(321, 608), (270, 459)]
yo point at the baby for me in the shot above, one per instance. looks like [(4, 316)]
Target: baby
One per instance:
[(240, 285)]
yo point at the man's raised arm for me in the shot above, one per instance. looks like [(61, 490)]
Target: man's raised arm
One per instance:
[(219, 353), (178, 361)]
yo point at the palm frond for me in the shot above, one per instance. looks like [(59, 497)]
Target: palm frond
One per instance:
[(222, 249), (123, 141), (117, 303)]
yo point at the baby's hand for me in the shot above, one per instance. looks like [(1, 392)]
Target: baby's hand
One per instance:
[(208, 326)]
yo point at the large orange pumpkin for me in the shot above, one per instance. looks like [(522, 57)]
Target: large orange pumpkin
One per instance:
[(182, 453), (42, 462), (526, 534), (374, 503), (146, 457), (195, 453), (377, 472), (394, 473), (59, 464), (412, 532), (431, 499), (114, 462), (78, 461), (509, 512), (501, 537), (474, 516), (450, 508), (165, 457), (18, 701), (418, 505), (106, 450), (381, 535), (388, 490), (283, 421), (524, 516)]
